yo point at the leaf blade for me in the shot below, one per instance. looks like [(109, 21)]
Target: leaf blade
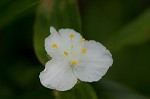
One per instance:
[(114, 90), (11, 9), (136, 32)]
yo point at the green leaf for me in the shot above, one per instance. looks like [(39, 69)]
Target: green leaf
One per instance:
[(136, 32), (57, 13), (131, 67), (113, 90), (10, 9), (80, 91)]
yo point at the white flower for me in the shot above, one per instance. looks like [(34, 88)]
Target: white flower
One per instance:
[(73, 58)]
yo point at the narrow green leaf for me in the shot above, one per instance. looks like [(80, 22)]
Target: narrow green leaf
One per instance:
[(57, 13), (137, 32), (113, 90), (80, 91), (10, 9)]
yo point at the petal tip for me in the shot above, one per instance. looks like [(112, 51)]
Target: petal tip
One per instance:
[(52, 30)]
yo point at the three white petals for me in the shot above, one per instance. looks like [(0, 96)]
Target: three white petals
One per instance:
[(73, 59)]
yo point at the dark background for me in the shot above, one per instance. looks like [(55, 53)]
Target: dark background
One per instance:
[(101, 20)]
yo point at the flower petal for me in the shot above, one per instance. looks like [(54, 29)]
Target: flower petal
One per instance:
[(53, 30), (65, 34), (53, 39), (58, 75), (71, 44), (63, 41), (94, 63)]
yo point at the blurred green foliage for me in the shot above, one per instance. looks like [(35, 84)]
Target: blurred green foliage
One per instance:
[(10, 9), (123, 26)]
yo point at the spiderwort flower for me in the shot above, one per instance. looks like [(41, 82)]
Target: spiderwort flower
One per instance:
[(73, 58)]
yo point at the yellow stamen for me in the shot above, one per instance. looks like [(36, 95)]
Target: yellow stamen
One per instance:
[(66, 53), (83, 40), (54, 45), (74, 62), (83, 50), (71, 36)]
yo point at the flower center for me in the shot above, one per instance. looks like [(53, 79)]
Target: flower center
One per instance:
[(74, 53)]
